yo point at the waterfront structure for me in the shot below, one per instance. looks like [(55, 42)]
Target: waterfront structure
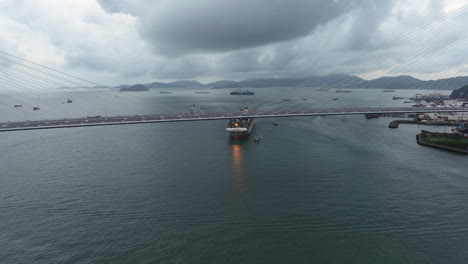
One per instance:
[(462, 128)]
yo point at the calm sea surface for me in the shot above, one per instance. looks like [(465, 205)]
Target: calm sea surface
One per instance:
[(315, 190)]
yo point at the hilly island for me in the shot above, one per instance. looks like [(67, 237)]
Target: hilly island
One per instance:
[(461, 93)]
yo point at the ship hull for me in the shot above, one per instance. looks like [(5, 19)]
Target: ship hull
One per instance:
[(242, 93)]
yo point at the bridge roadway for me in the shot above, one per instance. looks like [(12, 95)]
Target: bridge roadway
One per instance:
[(184, 117)]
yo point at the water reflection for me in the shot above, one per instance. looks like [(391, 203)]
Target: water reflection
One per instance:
[(236, 168)]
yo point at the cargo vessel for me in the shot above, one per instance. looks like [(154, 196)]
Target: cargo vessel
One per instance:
[(240, 127), (343, 91), (246, 92)]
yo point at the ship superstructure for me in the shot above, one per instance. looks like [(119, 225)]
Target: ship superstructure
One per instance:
[(240, 127)]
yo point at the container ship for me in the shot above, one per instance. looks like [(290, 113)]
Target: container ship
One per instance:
[(242, 93), (343, 91), (240, 127)]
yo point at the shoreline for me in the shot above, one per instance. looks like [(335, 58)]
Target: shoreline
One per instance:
[(420, 140)]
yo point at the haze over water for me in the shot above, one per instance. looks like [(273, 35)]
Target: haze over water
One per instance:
[(315, 190)]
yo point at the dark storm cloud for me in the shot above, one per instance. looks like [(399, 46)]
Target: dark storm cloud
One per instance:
[(279, 38), (186, 26), (117, 6)]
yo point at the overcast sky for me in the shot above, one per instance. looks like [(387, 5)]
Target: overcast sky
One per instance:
[(136, 41)]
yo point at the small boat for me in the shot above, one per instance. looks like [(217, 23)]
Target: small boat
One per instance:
[(202, 92), (165, 92), (18, 105), (343, 91), (388, 90), (334, 99), (36, 107), (275, 123), (397, 98), (408, 102), (257, 140), (69, 101), (304, 99)]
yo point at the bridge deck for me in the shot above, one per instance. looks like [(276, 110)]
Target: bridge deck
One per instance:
[(184, 117)]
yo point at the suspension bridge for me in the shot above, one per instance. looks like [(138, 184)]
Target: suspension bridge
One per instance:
[(185, 117), (18, 74)]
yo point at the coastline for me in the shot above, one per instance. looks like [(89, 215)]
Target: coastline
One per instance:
[(421, 139)]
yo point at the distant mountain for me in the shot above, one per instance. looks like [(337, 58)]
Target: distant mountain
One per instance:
[(446, 84), (461, 93), (408, 82), (224, 84), (186, 83), (261, 83), (160, 85), (134, 88), (398, 82), (176, 84), (335, 80)]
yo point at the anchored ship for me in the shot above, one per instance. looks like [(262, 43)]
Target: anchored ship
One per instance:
[(343, 91), (240, 127), (246, 92)]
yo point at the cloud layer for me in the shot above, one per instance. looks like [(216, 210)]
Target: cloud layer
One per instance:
[(185, 26), (127, 41)]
